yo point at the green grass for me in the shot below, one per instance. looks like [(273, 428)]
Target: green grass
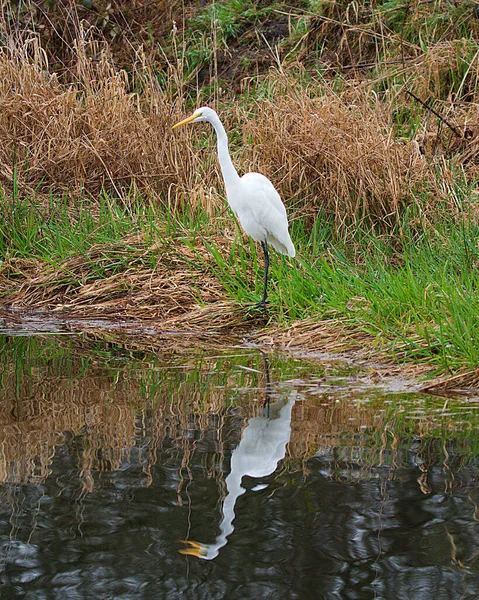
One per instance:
[(62, 228), (414, 292)]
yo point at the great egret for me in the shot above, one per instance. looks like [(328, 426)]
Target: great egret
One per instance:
[(252, 198)]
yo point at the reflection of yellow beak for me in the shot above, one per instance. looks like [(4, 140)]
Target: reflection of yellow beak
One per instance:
[(193, 548), (185, 121)]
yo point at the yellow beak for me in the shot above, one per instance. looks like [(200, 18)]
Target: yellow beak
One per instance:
[(185, 121)]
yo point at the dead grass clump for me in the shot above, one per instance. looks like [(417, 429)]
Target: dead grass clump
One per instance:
[(338, 337), (446, 70), (337, 154), (126, 24), (89, 136), (311, 335), (123, 280), (466, 383)]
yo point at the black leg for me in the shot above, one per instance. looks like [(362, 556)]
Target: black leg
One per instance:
[(266, 268), (262, 303), (267, 396)]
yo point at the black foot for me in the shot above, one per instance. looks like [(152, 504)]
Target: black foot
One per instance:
[(262, 305)]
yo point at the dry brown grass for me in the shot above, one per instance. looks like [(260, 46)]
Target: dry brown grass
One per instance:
[(126, 24), (334, 152), (325, 151), (328, 151), (173, 294), (431, 73), (466, 383), (87, 136), (337, 153)]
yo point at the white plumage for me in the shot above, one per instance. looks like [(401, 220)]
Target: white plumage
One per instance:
[(261, 213), (252, 198)]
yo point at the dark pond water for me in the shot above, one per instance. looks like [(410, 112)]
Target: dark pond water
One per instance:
[(211, 475)]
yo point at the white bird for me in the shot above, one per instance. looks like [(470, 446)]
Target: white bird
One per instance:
[(252, 198)]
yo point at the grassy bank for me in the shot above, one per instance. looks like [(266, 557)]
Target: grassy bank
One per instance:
[(365, 120), (410, 293)]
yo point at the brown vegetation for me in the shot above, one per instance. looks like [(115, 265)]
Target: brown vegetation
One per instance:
[(126, 24), (105, 128), (338, 154), (332, 153), (171, 294), (90, 135)]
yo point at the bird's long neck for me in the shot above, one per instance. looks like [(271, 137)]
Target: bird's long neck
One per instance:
[(228, 171)]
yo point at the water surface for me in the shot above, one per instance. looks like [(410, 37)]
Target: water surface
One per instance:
[(228, 474)]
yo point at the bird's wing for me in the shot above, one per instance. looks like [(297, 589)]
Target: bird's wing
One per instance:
[(261, 185), (263, 215)]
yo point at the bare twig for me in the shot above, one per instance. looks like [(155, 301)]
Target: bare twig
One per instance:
[(451, 127)]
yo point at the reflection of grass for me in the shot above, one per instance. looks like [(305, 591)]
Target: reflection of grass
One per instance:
[(104, 397), (111, 401), (223, 375), (378, 433), (34, 359), (446, 419)]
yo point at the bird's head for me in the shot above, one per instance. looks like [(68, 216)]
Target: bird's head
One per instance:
[(201, 114)]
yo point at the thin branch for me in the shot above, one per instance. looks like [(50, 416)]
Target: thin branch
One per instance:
[(451, 127)]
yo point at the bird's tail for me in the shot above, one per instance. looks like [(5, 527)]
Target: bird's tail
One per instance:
[(285, 247)]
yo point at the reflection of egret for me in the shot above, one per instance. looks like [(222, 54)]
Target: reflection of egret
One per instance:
[(262, 446), (252, 198)]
